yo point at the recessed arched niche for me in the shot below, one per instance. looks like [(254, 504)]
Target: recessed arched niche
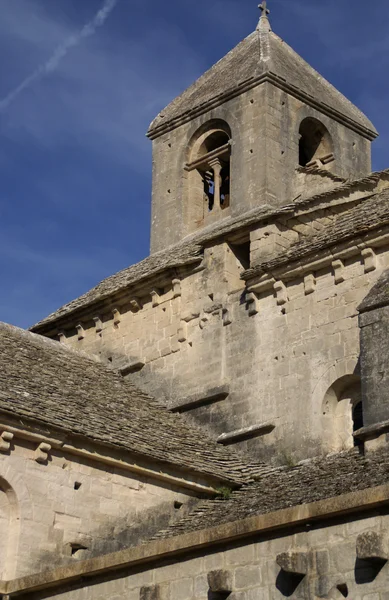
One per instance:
[(9, 529), (342, 413), (315, 144), (208, 170)]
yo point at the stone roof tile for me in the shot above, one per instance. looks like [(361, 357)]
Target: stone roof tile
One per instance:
[(368, 215), (53, 385), (259, 56), (284, 487)]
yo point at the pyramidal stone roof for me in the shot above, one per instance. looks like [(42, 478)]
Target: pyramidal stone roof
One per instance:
[(262, 56), (47, 383)]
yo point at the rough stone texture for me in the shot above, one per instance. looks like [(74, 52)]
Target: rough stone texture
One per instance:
[(179, 577), (280, 488), (262, 52), (293, 562), (220, 581), (74, 508), (365, 217), (50, 384), (374, 326), (281, 363), (373, 546)]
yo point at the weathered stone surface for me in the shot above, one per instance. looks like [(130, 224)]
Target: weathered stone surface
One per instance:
[(115, 413), (220, 581), (293, 562), (261, 53), (373, 546)]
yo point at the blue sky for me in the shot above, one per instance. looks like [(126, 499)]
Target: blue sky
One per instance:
[(75, 165)]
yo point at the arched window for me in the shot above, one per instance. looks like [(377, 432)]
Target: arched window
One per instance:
[(342, 413), (315, 144), (209, 174)]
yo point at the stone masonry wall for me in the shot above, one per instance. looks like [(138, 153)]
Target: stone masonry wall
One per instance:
[(256, 368), (65, 507), (264, 125), (317, 562)]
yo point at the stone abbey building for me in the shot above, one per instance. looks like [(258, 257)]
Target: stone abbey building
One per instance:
[(212, 422)]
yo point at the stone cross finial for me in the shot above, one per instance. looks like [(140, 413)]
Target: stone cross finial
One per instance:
[(263, 7)]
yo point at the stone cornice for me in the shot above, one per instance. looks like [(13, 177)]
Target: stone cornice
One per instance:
[(258, 282), (249, 84), (105, 455), (207, 539)]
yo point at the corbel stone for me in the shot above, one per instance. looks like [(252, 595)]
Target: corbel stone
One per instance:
[(135, 304), (281, 293), (183, 332), (190, 316), (295, 563), (98, 324), (62, 337), (338, 267), (5, 441), (220, 581), (369, 259), (373, 546), (80, 332), (226, 317), (132, 367), (117, 317), (176, 288), (253, 303), (309, 284), (155, 298), (42, 453)]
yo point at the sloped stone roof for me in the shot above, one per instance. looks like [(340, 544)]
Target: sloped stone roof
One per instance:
[(378, 295), (188, 252), (51, 384), (367, 216), (280, 488), (260, 56)]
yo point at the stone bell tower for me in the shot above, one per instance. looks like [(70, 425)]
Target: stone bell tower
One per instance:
[(241, 135)]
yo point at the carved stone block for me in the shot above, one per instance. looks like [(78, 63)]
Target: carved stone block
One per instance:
[(42, 453), (155, 298), (293, 562), (116, 316), (62, 337), (338, 267), (309, 284), (220, 581), (372, 546), (369, 260), (98, 324), (5, 441), (281, 293), (253, 303), (176, 283), (135, 304), (80, 332)]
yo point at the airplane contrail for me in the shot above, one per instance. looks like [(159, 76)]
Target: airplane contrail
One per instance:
[(52, 63)]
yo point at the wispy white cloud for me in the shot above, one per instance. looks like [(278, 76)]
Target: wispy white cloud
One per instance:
[(52, 63)]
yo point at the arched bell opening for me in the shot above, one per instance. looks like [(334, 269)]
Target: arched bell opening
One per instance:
[(315, 144), (209, 174)]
